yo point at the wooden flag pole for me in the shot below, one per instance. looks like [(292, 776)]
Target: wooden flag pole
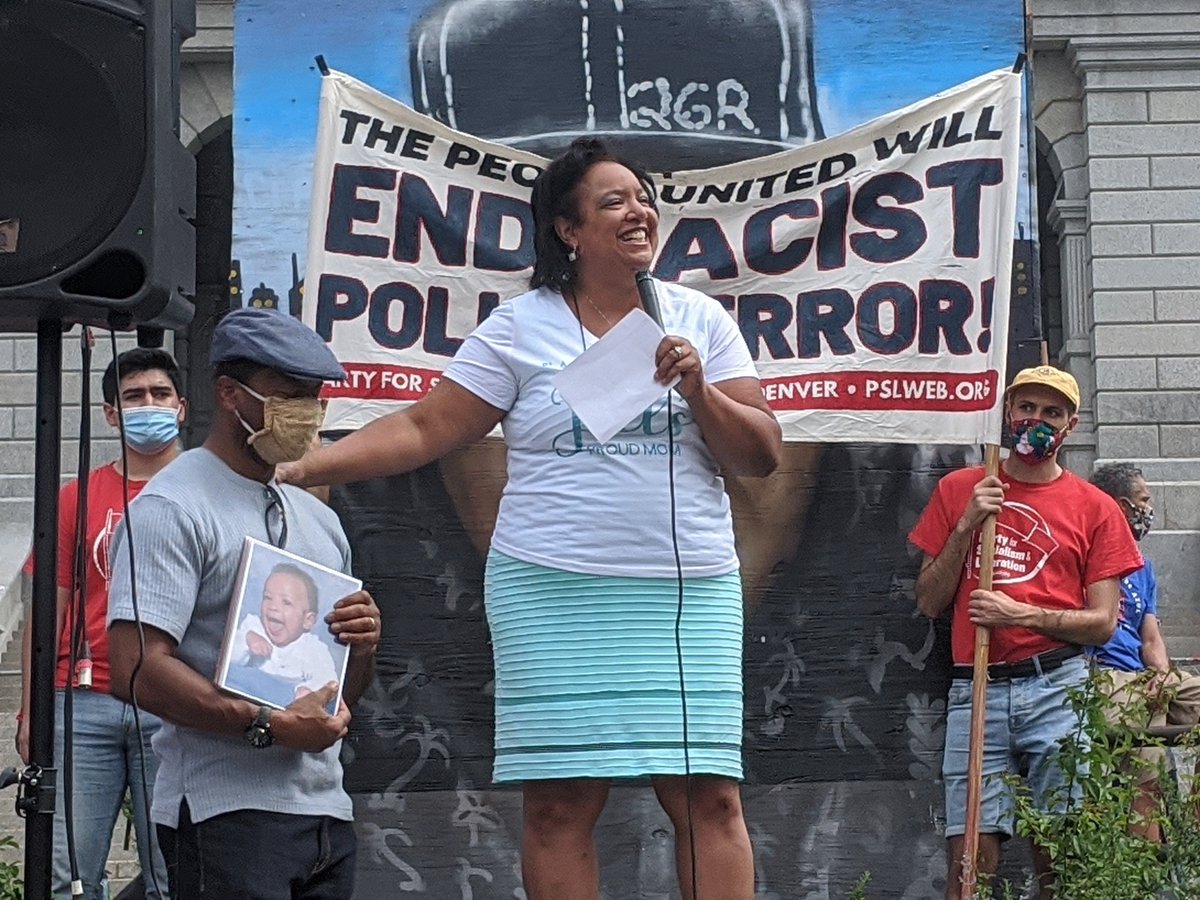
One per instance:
[(979, 696), (987, 541)]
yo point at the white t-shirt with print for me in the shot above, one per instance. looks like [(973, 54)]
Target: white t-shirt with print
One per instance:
[(573, 503), (306, 660)]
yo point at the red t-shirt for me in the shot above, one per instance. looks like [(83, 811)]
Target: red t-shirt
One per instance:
[(1052, 541), (104, 513)]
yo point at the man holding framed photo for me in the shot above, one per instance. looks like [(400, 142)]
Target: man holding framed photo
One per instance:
[(249, 800)]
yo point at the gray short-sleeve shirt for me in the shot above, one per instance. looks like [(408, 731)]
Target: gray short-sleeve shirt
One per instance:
[(187, 528)]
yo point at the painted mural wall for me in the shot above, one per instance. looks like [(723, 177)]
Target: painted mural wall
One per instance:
[(844, 682)]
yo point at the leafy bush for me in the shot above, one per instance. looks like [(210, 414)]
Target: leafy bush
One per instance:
[(1095, 851), (12, 887)]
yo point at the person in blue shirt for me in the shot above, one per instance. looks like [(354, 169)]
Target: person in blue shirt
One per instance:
[(1135, 666)]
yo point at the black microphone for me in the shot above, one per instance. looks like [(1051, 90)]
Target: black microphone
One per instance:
[(645, 286)]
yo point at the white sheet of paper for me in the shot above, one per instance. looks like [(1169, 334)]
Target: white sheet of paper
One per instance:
[(612, 382)]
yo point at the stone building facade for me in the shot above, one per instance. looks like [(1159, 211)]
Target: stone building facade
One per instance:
[(1117, 109)]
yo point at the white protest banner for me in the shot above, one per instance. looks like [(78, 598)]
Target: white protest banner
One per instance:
[(869, 273)]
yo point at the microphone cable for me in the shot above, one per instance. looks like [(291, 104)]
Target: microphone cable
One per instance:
[(650, 301), (648, 294), (75, 614), (687, 759), (127, 523)]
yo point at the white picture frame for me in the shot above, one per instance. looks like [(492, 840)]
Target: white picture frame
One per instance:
[(277, 645)]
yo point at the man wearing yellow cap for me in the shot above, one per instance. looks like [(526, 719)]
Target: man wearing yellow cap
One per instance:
[(1061, 547)]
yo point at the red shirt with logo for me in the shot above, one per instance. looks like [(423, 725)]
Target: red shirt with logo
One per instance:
[(1052, 541), (104, 513)]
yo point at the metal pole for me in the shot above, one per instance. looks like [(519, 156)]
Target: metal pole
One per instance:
[(39, 806)]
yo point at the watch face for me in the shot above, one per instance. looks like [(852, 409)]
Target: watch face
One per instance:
[(259, 733), (259, 736)]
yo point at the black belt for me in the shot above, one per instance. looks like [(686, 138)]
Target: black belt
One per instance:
[(1026, 668)]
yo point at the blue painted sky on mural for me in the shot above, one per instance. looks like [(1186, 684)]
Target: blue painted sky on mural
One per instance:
[(870, 57)]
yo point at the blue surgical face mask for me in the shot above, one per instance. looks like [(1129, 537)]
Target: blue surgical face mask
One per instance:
[(150, 429)]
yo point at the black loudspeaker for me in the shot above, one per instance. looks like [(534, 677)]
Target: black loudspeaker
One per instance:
[(96, 192)]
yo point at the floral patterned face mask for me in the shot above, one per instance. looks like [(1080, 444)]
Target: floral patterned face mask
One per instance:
[(1036, 441)]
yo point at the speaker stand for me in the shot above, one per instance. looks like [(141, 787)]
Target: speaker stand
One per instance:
[(39, 781)]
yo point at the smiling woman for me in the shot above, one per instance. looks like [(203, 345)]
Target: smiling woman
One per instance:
[(596, 543), (609, 225)]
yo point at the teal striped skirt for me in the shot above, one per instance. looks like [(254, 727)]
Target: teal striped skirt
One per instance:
[(587, 677)]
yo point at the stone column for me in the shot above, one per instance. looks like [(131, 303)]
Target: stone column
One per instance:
[(1068, 220)]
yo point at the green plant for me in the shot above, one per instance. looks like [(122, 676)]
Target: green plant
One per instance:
[(1094, 851), (860, 888), (12, 887), (987, 890)]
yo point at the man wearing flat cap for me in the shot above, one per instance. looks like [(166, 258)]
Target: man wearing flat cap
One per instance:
[(1061, 547), (249, 800)]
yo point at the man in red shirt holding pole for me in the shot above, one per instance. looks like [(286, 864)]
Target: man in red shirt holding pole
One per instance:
[(1061, 546)]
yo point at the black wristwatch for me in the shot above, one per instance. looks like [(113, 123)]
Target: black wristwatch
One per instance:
[(259, 733)]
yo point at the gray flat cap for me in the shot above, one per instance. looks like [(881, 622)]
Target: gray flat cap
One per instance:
[(277, 341)]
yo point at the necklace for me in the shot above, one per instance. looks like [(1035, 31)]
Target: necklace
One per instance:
[(599, 311)]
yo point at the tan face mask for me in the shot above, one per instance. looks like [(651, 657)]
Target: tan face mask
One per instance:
[(289, 426)]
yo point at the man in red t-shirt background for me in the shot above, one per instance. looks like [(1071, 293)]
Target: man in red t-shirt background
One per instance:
[(1061, 547), (108, 751)]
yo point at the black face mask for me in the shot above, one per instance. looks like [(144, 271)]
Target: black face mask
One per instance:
[(1141, 518)]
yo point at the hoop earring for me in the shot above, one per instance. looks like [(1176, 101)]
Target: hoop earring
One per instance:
[(572, 255)]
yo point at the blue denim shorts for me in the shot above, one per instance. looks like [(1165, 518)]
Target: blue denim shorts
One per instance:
[(1027, 718)]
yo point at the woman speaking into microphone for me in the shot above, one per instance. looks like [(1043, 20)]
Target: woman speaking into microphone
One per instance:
[(582, 584)]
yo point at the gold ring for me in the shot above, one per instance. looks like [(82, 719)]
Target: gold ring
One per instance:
[(678, 351)]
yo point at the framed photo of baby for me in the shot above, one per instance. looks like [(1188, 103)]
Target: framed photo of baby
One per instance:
[(277, 646)]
